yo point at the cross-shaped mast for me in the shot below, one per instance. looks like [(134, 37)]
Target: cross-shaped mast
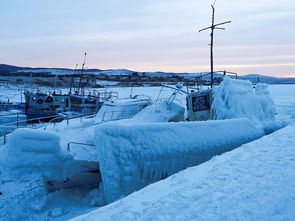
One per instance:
[(213, 27)]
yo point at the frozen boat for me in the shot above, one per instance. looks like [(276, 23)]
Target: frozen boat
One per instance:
[(43, 106), (48, 106), (117, 158), (122, 108)]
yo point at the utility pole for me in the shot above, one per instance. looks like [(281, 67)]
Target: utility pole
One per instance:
[(213, 27)]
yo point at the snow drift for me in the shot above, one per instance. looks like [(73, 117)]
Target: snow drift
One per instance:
[(132, 156)]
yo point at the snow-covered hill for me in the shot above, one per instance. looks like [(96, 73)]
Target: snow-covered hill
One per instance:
[(14, 70)]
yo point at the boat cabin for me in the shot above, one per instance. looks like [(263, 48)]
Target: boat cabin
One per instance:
[(199, 105)]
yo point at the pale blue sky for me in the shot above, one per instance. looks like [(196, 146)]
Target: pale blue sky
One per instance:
[(149, 35)]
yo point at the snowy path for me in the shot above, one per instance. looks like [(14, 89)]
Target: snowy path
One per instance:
[(253, 182)]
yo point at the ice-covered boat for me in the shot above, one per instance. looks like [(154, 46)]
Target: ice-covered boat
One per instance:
[(123, 108), (113, 159), (48, 106)]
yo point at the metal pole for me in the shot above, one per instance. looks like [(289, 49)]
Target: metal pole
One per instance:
[(211, 45), (81, 74), (212, 27), (17, 120)]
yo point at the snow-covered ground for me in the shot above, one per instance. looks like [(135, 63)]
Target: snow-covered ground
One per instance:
[(27, 194)]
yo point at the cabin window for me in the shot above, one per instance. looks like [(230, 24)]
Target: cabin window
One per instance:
[(200, 102)]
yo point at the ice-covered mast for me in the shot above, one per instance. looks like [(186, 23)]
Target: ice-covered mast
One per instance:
[(72, 80), (213, 27), (81, 74)]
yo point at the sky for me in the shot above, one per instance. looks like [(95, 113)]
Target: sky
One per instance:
[(150, 35)]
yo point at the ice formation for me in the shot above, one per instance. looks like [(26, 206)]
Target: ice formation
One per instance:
[(132, 156), (160, 112), (33, 151), (253, 182), (236, 98), (121, 108)]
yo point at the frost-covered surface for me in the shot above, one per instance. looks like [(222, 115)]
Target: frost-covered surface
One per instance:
[(121, 108), (236, 98), (32, 151), (28, 156), (132, 156), (253, 182), (25, 198), (160, 112)]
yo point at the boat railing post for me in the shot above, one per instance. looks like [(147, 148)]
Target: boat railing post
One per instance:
[(103, 116), (17, 118), (5, 137)]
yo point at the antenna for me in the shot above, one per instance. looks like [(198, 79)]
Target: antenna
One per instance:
[(213, 27), (81, 74)]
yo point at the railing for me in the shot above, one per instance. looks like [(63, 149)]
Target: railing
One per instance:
[(17, 123), (81, 116), (12, 114), (172, 98)]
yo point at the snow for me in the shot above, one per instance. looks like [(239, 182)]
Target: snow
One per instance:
[(253, 182), (132, 156)]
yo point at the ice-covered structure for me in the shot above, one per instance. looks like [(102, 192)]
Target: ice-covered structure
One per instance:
[(253, 182), (33, 151), (237, 98), (122, 108), (160, 112), (132, 156)]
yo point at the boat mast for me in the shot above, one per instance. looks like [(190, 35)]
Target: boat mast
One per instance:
[(72, 80), (81, 74), (213, 27)]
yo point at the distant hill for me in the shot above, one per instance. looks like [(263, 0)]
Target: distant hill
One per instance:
[(267, 79), (15, 70)]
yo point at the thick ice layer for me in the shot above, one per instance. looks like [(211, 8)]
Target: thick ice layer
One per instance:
[(30, 150), (132, 156), (161, 112), (121, 109), (253, 182), (236, 98)]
